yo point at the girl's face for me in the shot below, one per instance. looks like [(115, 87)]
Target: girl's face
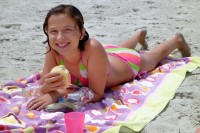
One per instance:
[(64, 35)]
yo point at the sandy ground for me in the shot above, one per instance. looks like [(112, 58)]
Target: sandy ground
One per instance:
[(110, 21)]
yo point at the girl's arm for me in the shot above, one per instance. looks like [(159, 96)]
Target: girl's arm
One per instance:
[(47, 81), (98, 68), (51, 91), (50, 62)]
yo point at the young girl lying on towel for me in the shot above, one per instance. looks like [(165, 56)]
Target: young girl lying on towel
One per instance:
[(95, 66)]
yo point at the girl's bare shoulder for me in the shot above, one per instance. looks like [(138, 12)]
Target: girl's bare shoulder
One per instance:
[(52, 56), (93, 45), (94, 49)]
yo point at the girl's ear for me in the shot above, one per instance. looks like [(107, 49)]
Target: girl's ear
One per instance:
[(82, 33)]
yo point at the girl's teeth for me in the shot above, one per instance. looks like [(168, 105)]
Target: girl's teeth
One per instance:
[(61, 45)]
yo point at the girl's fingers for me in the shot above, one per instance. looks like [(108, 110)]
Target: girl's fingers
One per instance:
[(52, 74), (34, 104), (53, 79), (42, 106), (58, 84), (30, 104), (55, 86)]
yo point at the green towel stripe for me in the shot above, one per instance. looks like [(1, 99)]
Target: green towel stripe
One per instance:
[(135, 67)]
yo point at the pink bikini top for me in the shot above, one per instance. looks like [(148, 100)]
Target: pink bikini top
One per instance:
[(83, 78)]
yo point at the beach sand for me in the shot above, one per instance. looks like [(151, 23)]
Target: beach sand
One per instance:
[(110, 21)]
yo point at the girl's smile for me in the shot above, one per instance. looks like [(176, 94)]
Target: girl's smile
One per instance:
[(62, 45)]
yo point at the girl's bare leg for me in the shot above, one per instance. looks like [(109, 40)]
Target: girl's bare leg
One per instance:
[(149, 60), (139, 36)]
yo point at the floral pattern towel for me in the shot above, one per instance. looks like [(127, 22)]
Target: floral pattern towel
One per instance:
[(129, 106)]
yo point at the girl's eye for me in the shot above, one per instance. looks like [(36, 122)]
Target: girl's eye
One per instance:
[(53, 32), (67, 30)]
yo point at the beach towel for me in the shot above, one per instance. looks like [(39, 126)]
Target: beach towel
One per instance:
[(124, 108)]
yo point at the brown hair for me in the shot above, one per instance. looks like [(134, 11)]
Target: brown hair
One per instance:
[(75, 14)]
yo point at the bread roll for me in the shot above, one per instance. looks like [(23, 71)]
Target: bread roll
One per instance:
[(65, 74)]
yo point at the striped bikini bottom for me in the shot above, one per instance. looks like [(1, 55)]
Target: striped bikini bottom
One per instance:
[(128, 56)]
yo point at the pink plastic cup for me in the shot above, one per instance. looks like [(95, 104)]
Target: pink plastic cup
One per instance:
[(74, 122)]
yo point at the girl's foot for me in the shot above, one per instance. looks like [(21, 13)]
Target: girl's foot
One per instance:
[(197, 130), (183, 48), (142, 39)]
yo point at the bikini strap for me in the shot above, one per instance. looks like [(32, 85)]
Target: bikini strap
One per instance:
[(61, 61), (81, 57)]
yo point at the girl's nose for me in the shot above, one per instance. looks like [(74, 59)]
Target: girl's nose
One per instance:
[(60, 36)]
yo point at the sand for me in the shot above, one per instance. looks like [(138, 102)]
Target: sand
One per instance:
[(110, 21)]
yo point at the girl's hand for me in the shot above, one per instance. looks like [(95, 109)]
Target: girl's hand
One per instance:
[(42, 101), (52, 81)]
